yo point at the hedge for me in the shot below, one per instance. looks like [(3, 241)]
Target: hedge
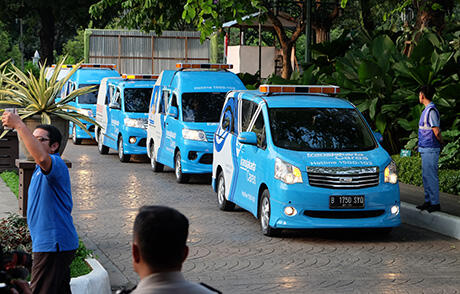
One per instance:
[(410, 172)]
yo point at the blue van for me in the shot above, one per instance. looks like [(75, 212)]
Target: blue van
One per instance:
[(121, 111), (86, 75), (296, 158), (183, 116)]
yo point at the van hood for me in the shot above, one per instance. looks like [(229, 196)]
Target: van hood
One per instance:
[(376, 157), (204, 126)]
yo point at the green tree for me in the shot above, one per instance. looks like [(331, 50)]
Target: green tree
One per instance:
[(8, 50), (74, 48), (156, 15), (52, 22)]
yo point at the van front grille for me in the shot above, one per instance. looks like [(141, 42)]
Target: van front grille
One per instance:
[(343, 214), (343, 177)]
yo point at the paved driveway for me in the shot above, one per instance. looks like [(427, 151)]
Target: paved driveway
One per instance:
[(228, 251)]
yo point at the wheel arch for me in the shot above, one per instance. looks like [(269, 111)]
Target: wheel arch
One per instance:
[(262, 188), (219, 170)]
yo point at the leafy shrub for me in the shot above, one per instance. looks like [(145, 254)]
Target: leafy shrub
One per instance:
[(410, 172), (12, 181), (79, 267), (14, 234)]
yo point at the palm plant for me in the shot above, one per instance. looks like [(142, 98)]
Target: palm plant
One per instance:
[(37, 95)]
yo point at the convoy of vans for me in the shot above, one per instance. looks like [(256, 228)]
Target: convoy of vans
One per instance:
[(86, 75), (121, 112), (183, 116), (293, 156)]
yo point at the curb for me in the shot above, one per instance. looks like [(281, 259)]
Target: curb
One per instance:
[(439, 222), (95, 282)]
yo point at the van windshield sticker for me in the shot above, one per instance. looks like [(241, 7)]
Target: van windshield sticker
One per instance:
[(214, 87), (334, 158)]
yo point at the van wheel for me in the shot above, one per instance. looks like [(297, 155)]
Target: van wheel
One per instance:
[(265, 214), (101, 147), (121, 153), (224, 204), (180, 177), (75, 140), (156, 166)]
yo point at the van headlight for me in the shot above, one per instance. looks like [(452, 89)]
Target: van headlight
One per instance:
[(287, 172), (134, 123), (391, 173), (196, 135)]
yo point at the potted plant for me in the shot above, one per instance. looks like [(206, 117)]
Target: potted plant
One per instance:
[(35, 98)]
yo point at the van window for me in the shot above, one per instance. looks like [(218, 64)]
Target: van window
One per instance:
[(163, 101), (202, 107), (115, 98), (137, 99), (320, 129), (259, 129), (248, 108), (227, 119), (88, 98)]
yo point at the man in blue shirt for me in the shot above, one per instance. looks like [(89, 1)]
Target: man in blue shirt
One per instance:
[(429, 146), (54, 238)]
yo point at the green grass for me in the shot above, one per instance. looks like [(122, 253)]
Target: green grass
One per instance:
[(79, 267), (12, 181)]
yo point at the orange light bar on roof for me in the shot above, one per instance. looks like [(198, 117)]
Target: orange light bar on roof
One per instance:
[(311, 89), (204, 65), (97, 65), (63, 66), (139, 77)]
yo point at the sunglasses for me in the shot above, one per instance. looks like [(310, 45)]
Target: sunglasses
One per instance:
[(41, 139)]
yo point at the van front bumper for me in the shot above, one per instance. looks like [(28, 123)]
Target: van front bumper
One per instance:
[(140, 137), (312, 206), (196, 157), (81, 134)]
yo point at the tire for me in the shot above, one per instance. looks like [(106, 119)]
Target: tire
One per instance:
[(101, 147), (384, 231), (223, 203), (180, 177), (75, 140), (121, 153), (155, 165), (265, 214)]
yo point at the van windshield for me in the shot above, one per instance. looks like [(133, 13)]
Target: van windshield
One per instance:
[(137, 99), (202, 107), (89, 98), (320, 129)]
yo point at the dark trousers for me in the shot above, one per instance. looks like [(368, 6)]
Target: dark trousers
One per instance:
[(51, 272)]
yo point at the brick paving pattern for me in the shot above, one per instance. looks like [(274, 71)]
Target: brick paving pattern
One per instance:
[(227, 249)]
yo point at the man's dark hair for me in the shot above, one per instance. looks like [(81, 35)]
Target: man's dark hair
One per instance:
[(161, 234), (428, 91), (53, 133)]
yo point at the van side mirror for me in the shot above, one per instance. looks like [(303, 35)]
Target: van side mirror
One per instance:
[(378, 137), (172, 112), (249, 138), (114, 105)]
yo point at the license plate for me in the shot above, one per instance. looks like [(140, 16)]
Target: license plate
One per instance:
[(346, 201)]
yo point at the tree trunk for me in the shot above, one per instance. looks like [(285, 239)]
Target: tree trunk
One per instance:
[(322, 34), (47, 32), (287, 66), (429, 17), (322, 19)]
